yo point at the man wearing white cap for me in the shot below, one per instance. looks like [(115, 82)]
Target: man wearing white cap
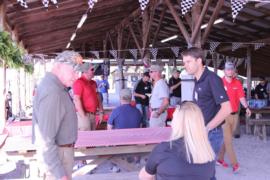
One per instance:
[(160, 98), (236, 94)]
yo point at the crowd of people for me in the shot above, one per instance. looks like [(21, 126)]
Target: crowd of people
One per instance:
[(202, 129)]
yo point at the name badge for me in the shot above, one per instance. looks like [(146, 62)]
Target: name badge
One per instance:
[(196, 96)]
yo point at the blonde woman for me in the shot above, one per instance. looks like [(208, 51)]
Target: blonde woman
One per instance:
[(188, 154)]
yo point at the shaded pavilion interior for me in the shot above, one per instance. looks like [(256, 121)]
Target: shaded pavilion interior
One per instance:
[(120, 24)]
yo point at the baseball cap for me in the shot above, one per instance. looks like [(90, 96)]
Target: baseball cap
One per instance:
[(156, 68), (146, 74), (229, 66), (83, 67), (69, 57)]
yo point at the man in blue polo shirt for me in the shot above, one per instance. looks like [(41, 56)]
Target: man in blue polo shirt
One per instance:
[(209, 94), (125, 116)]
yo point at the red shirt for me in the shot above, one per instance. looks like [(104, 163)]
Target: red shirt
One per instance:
[(87, 91), (235, 91)]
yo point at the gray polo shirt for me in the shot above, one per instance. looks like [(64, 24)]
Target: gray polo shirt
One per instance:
[(54, 121), (159, 92)]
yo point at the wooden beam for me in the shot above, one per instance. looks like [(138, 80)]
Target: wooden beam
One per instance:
[(179, 22), (212, 20), (159, 25), (135, 39), (199, 21)]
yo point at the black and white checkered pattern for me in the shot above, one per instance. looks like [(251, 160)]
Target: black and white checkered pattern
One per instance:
[(154, 52), (23, 3), (91, 3), (258, 46), (143, 4), (175, 51), (213, 46), (237, 6), (96, 53), (113, 53), (186, 5), (236, 46), (46, 3), (134, 53)]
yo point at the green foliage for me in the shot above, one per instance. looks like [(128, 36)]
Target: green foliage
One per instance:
[(11, 54)]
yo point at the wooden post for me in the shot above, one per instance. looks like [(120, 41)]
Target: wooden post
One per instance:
[(120, 61), (249, 53), (178, 21), (212, 20), (197, 18), (214, 60)]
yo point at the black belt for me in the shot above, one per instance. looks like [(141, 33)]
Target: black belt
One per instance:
[(233, 113), (67, 145), (155, 109)]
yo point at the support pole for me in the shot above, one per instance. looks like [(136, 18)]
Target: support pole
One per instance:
[(249, 53)]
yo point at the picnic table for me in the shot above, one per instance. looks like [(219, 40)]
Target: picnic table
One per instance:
[(259, 123)]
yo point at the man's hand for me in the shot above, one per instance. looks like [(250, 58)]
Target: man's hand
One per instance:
[(248, 112), (143, 96), (155, 114), (100, 118)]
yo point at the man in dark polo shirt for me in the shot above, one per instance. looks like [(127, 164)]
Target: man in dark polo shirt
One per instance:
[(54, 118), (175, 87), (142, 100), (209, 94), (86, 98)]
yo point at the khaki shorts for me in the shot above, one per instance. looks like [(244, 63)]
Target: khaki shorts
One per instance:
[(84, 124)]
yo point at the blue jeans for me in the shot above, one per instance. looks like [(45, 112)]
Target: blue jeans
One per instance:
[(145, 114), (215, 137)]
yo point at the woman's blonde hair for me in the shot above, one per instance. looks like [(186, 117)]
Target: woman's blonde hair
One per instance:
[(188, 123)]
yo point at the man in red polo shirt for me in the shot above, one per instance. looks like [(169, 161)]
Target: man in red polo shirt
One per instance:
[(86, 98), (236, 94)]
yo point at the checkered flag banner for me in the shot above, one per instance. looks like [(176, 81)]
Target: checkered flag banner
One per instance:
[(91, 3), (23, 3), (239, 62), (258, 46), (236, 46), (154, 52), (113, 53), (237, 6), (213, 46), (134, 53), (175, 50), (143, 4), (96, 53), (46, 3), (186, 5)]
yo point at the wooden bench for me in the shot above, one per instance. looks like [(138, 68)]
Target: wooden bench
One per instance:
[(259, 127)]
